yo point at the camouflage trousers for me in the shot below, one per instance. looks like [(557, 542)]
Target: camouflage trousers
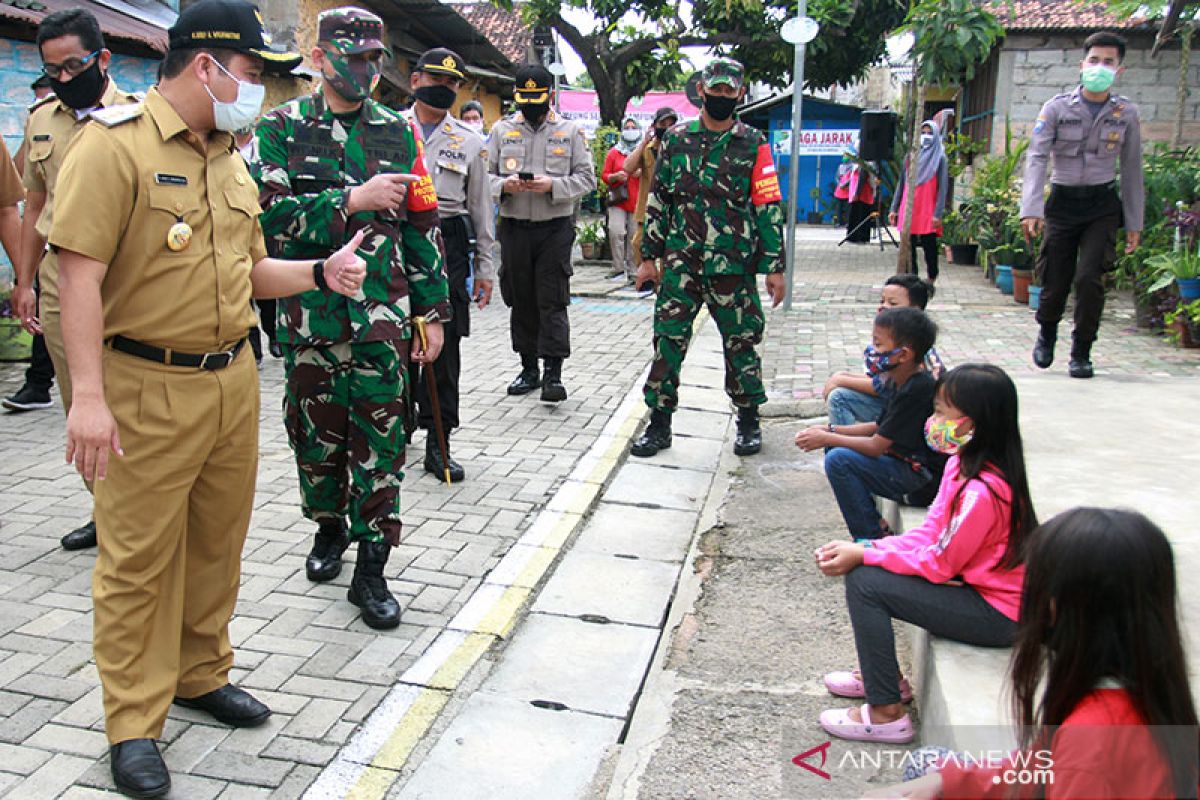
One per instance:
[(733, 302), (344, 410)]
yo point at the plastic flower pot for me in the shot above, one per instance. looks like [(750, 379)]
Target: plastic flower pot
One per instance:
[(1189, 288), (964, 253), (1035, 297), (1004, 278), (1021, 279)]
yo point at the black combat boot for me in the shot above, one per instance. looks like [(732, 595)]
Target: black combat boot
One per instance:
[(749, 434), (657, 435), (1081, 359), (529, 379), (1043, 349), (324, 562), (433, 460), (553, 390), (368, 588)]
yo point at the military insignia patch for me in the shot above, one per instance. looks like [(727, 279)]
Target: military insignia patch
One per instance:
[(179, 236)]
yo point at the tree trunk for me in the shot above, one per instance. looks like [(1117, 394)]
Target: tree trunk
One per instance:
[(904, 257), (1185, 58)]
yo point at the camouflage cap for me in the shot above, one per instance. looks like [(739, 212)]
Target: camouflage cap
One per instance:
[(724, 70), (350, 30)]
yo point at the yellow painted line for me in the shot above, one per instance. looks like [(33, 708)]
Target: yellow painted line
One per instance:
[(399, 746), (372, 784), (503, 615), (538, 563), (459, 663)]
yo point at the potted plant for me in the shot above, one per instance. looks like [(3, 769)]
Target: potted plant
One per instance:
[(1181, 267), (589, 239), (1183, 323), (1035, 292), (815, 217), (15, 342), (959, 235)]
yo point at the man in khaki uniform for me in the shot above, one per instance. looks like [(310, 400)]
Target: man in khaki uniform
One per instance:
[(160, 250), (456, 158), (541, 166), (11, 193), (641, 164), (76, 62)]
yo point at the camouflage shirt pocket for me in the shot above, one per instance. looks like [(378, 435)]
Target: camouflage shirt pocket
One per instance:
[(312, 176)]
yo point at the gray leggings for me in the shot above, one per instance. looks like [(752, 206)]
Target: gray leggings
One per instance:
[(875, 597)]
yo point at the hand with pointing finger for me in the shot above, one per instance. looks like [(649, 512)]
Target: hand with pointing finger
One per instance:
[(384, 192)]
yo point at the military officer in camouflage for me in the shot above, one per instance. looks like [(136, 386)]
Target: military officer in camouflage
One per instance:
[(330, 164), (714, 221), (456, 159), (541, 165)]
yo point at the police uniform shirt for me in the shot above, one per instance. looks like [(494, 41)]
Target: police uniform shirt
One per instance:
[(11, 191), (457, 158), (1086, 149), (132, 176), (48, 133), (557, 150)]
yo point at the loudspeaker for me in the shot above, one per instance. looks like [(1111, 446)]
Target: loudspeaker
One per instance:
[(877, 135)]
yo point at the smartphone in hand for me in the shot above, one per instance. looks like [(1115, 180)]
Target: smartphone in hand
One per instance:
[(525, 176)]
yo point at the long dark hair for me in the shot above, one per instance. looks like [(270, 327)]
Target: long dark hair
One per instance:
[(1099, 602), (988, 396)]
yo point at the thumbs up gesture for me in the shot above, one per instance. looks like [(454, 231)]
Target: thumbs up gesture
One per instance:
[(345, 270)]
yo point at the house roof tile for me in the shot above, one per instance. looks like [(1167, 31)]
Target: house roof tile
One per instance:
[(1019, 16), (505, 29)]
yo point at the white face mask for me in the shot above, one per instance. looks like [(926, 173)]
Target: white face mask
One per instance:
[(926, 139), (243, 111), (475, 126), (631, 134)]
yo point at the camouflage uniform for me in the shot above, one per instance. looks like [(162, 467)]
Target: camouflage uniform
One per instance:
[(345, 357), (714, 218)]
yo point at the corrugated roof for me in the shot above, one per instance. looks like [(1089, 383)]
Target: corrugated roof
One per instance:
[(505, 29), (114, 24), (1046, 16)]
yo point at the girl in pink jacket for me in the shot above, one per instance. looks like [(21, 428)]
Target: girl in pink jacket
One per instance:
[(958, 574)]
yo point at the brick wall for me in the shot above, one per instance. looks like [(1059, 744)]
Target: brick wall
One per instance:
[(1035, 68)]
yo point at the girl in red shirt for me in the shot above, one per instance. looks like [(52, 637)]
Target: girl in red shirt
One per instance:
[(1100, 634)]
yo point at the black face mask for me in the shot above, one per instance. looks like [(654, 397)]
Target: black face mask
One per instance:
[(659, 132), (437, 96), (719, 108), (534, 113), (84, 90)]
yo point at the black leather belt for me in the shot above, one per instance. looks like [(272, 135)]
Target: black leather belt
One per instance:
[(529, 223), (1084, 192), (209, 361)]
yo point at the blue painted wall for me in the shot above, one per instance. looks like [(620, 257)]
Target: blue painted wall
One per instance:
[(814, 170), (20, 64)]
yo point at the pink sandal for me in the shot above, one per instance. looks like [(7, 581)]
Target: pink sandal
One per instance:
[(850, 684), (838, 722)]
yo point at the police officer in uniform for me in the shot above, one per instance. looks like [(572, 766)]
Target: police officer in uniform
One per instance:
[(542, 166), (75, 61), (457, 159), (1087, 131), (157, 235)]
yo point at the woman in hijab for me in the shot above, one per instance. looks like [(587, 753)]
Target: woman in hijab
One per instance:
[(856, 185), (929, 199), (622, 200)]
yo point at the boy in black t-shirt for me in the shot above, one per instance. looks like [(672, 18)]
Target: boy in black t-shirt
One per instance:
[(888, 458)]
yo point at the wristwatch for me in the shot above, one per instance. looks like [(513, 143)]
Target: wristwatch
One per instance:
[(319, 275)]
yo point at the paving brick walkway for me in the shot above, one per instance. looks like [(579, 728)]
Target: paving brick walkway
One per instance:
[(300, 645)]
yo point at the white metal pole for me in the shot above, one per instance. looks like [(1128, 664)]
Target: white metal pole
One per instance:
[(794, 167)]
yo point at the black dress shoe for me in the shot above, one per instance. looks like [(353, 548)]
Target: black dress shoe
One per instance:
[(324, 562), (138, 769), (553, 390), (1043, 350), (1080, 369), (748, 440), (657, 436), (81, 538), (229, 704)]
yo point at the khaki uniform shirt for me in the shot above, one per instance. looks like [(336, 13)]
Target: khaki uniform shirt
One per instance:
[(457, 158), (1085, 152), (557, 150), (648, 162), (11, 190), (134, 174), (49, 131)]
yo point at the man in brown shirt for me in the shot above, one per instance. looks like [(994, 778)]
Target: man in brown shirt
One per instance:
[(11, 193), (157, 234)]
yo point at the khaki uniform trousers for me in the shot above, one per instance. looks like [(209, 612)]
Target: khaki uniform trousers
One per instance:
[(172, 517)]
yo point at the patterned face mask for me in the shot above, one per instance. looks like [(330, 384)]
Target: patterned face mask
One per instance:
[(876, 362), (942, 434), (353, 79)]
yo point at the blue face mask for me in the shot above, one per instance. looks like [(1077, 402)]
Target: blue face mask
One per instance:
[(876, 362)]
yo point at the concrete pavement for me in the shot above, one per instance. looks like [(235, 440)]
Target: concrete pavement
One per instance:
[(576, 624)]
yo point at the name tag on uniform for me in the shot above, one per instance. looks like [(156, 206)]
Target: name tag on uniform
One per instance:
[(41, 137), (163, 179)]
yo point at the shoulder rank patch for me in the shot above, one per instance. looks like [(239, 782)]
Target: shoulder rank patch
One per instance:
[(112, 116), (42, 101), (1040, 125)]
